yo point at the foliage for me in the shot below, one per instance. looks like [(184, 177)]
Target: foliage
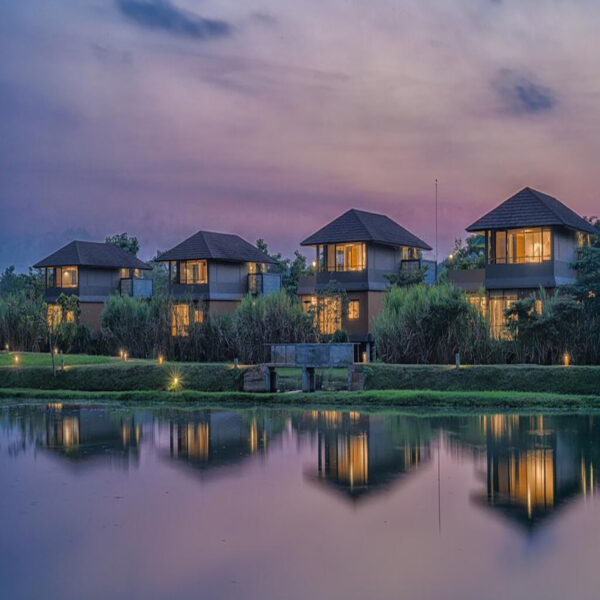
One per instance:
[(124, 241), (430, 324), (32, 283), (405, 278), (270, 319), (544, 327), (141, 327), (291, 270), (124, 376), (467, 255), (506, 378), (22, 321), (340, 337), (159, 274)]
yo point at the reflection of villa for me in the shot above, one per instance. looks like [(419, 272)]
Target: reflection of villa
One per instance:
[(212, 439), (358, 454), (79, 433), (533, 467)]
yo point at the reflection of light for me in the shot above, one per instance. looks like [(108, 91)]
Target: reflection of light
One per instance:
[(70, 427), (253, 436), (353, 460), (54, 405)]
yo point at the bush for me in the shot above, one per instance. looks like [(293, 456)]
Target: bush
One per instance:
[(22, 321), (430, 324), (270, 319)]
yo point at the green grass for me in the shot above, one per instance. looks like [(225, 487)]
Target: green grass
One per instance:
[(414, 399), (37, 359), (524, 378), (120, 376)]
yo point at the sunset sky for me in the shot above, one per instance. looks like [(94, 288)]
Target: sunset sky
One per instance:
[(268, 118)]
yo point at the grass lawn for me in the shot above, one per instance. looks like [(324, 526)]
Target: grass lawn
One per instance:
[(413, 399), (37, 359)]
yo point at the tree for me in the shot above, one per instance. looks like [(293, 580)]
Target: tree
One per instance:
[(467, 255), (31, 283), (406, 278), (291, 270), (124, 241), (159, 275)]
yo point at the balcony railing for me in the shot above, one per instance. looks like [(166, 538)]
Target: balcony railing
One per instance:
[(137, 288), (264, 283)]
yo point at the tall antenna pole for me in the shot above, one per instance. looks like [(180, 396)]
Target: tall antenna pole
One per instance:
[(436, 229)]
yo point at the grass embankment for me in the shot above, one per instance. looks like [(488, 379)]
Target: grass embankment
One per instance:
[(502, 378), (120, 376), (37, 359), (413, 399)]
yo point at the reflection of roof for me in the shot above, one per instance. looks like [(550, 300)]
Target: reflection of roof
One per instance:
[(92, 254), (530, 208), (519, 514), (216, 246), (362, 226), (359, 493)]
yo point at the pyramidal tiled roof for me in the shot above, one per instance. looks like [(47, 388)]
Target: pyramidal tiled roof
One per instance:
[(362, 226), (92, 254), (530, 208), (216, 246)]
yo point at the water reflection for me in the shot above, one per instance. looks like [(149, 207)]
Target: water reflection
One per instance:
[(534, 464), (358, 454), (207, 440), (528, 466)]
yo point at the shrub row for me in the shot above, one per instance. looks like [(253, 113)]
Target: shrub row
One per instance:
[(120, 377), (523, 378)]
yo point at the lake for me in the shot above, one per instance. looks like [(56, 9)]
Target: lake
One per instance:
[(121, 502)]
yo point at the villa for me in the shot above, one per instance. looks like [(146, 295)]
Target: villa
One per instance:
[(355, 255), (212, 272), (92, 271), (531, 240)]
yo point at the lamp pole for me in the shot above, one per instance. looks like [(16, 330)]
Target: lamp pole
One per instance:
[(436, 230)]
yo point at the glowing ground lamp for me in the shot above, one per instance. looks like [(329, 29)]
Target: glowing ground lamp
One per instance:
[(17, 359), (174, 381), (566, 359), (161, 359)]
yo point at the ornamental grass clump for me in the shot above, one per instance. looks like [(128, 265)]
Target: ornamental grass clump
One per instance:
[(430, 324)]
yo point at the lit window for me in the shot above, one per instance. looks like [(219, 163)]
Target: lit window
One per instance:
[(342, 257), (193, 272), (54, 315), (479, 302), (198, 315), (519, 246), (67, 277), (353, 310), (330, 315), (125, 274), (180, 320), (498, 304)]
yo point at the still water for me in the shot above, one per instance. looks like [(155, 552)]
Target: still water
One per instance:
[(100, 502)]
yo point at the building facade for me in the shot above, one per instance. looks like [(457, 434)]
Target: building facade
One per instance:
[(355, 255), (531, 240), (211, 273), (92, 271)]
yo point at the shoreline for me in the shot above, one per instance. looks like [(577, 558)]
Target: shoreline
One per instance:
[(413, 399)]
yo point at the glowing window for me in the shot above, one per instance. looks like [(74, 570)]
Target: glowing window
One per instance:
[(353, 310)]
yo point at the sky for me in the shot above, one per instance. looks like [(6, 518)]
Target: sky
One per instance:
[(269, 118)]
